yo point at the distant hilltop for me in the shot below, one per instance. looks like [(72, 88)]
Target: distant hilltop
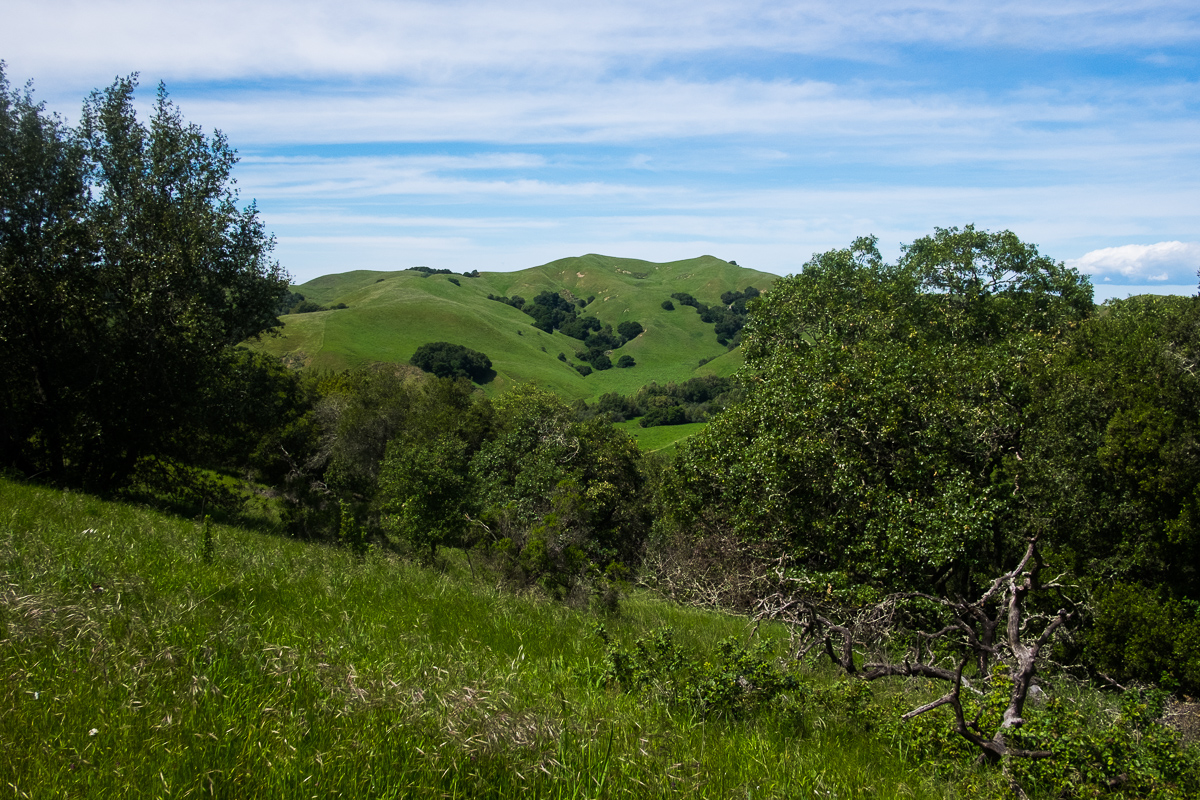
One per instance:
[(683, 317)]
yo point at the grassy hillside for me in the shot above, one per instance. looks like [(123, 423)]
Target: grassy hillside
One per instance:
[(390, 314), (662, 438), (137, 665)]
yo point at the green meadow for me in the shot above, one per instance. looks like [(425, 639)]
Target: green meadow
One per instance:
[(391, 314), (661, 438), (141, 661)]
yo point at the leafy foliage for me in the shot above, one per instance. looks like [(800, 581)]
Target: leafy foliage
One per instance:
[(1093, 751), (1112, 466), (736, 681), (629, 329), (889, 463), (556, 494), (694, 400), (424, 491), (127, 271), (551, 311), (446, 360)]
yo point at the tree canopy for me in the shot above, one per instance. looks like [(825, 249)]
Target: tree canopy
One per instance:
[(447, 360), (127, 269), (883, 415)]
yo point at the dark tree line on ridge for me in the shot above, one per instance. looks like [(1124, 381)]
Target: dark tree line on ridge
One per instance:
[(727, 319), (911, 449)]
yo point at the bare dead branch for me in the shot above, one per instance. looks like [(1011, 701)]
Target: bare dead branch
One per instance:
[(994, 629)]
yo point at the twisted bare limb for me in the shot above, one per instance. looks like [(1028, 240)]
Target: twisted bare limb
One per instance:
[(992, 630)]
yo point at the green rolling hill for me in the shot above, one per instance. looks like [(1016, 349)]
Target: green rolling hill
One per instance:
[(390, 314)]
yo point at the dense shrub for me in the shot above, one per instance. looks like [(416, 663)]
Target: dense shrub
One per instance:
[(516, 301), (670, 415), (629, 330), (447, 360), (735, 681), (1139, 635), (1094, 752)]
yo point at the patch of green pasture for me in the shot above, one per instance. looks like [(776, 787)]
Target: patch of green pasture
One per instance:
[(724, 365), (391, 314), (660, 436)]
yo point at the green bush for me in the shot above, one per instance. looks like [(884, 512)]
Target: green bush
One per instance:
[(734, 682), (447, 360), (1137, 635), (629, 330), (670, 415), (1120, 752)]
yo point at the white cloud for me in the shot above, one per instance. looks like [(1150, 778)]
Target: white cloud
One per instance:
[(773, 229), (436, 41), (664, 128), (606, 112), (1135, 263)]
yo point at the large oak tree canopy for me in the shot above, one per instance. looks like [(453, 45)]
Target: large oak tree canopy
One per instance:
[(127, 273), (881, 436)]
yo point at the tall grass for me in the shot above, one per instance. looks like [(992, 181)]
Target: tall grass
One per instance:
[(138, 662)]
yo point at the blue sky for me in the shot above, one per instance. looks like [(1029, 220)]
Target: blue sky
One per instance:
[(498, 136)]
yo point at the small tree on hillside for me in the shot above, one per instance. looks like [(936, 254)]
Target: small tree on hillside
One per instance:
[(424, 492)]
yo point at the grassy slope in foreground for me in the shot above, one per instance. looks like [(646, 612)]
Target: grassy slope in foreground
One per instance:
[(280, 669), (391, 314)]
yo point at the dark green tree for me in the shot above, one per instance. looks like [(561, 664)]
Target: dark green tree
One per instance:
[(883, 418), (629, 330), (425, 496), (570, 490), (331, 457), (127, 297), (50, 323), (446, 360), (1112, 465)]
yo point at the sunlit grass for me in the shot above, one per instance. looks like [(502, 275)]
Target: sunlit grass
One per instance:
[(390, 314), (287, 669)]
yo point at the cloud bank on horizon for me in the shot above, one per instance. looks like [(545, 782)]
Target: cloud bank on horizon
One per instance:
[(1157, 262), (474, 134)]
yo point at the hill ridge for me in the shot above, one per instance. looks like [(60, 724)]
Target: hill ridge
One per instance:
[(391, 313)]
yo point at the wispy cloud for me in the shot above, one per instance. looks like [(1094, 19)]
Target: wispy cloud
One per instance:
[(435, 41), (474, 132)]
